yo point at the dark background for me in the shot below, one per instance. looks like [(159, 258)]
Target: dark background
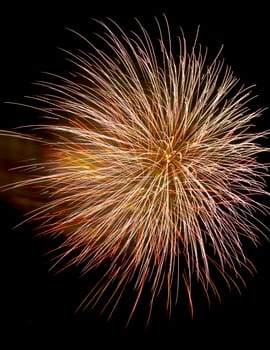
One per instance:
[(39, 305)]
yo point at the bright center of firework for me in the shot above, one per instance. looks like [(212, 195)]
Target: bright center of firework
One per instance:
[(169, 163), (168, 156), (172, 159)]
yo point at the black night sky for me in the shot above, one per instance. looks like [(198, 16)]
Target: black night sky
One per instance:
[(39, 305)]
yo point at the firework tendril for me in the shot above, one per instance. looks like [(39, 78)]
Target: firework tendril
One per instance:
[(151, 167)]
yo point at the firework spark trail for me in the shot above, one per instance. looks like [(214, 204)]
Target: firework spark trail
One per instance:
[(151, 166)]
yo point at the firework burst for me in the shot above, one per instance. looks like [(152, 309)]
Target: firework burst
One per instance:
[(151, 167)]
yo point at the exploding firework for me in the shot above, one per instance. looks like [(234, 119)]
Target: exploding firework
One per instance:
[(150, 167)]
